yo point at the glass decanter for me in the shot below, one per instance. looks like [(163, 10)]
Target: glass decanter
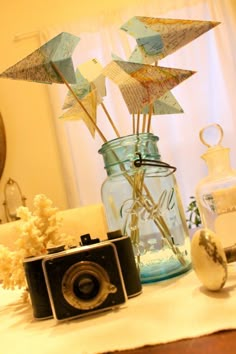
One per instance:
[(216, 193)]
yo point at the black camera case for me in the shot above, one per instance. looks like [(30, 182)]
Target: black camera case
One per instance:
[(83, 280)]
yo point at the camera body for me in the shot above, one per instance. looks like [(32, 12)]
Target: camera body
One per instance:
[(97, 276)]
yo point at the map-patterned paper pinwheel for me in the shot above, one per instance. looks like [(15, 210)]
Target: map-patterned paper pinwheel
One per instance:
[(142, 84), (158, 37), (38, 67), (90, 90), (166, 104)]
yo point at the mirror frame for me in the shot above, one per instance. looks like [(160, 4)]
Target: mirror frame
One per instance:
[(2, 146)]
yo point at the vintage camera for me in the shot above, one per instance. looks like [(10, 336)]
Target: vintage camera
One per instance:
[(97, 276)]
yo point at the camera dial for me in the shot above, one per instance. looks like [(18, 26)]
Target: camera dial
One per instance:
[(86, 285)]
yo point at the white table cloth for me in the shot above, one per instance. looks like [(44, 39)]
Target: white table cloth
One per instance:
[(165, 311)]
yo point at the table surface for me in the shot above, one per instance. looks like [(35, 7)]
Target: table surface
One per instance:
[(223, 342), (204, 312)]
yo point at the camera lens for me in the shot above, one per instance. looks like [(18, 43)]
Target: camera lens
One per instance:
[(86, 286)]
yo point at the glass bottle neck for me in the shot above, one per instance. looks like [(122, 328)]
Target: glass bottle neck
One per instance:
[(119, 154), (218, 162)]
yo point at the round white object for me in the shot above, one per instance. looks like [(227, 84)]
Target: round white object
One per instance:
[(208, 259)]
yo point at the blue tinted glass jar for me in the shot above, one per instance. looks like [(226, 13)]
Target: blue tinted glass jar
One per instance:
[(141, 198)]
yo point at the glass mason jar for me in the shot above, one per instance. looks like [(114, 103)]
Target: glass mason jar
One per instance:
[(141, 198)]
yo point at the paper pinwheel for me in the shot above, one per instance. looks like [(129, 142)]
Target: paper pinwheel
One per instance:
[(52, 63), (157, 37), (142, 84), (89, 88), (92, 71), (167, 104), (88, 77), (75, 112), (81, 88), (38, 66)]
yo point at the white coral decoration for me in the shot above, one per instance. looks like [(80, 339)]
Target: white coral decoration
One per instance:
[(38, 231), (11, 270)]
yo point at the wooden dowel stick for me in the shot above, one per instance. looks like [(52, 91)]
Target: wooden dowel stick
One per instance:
[(133, 123), (110, 120), (144, 122), (138, 122), (150, 110), (149, 118), (78, 101)]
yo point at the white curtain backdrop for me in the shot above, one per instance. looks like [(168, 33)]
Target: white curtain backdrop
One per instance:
[(206, 97)]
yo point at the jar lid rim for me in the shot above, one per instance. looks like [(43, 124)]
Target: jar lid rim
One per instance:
[(125, 137)]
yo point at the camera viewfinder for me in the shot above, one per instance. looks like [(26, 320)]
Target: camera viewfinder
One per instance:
[(86, 240), (114, 234)]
